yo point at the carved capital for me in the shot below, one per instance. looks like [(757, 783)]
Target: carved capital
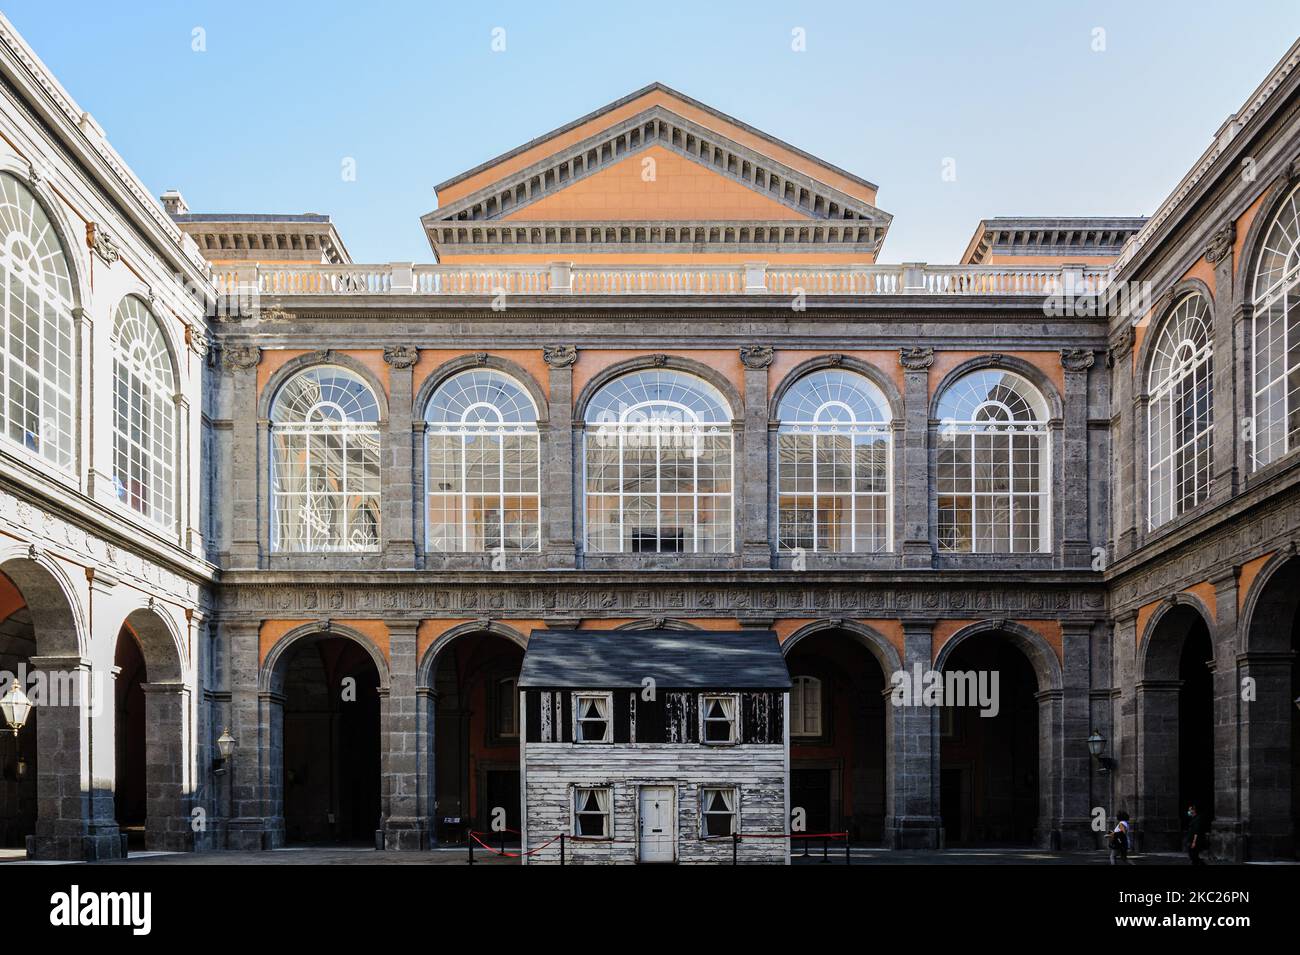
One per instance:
[(1219, 247), (100, 241), (1077, 359), (240, 357), (916, 359), (197, 339), (560, 356), (756, 356), (401, 356)]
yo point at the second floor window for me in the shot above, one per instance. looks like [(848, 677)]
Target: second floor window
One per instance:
[(806, 706), (1275, 337), (482, 465), (658, 466), (591, 718), (1180, 412), (325, 476), (993, 492), (718, 722), (144, 414), (833, 465), (36, 348)]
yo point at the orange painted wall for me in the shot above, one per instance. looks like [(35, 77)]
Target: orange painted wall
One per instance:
[(530, 360), (1244, 222), (554, 144), (431, 630), (11, 598), (681, 189), (276, 358), (1049, 363), (272, 630), (593, 361), (1246, 579)]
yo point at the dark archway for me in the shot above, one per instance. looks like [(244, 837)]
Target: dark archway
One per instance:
[(476, 734), (838, 725), (989, 766), (331, 742), (1175, 725), (17, 752), (1272, 758), (129, 787)]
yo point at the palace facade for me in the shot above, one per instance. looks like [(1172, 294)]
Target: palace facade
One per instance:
[(290, 521)]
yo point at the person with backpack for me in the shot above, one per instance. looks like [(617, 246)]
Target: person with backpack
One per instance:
[(1118, 840)]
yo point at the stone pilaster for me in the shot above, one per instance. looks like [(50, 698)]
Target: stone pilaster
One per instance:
[(397, 481), (1076, 764), (245, 826), (242, 475), (756, 546), (407, 800), (1123, 512), (1076, 548), (1224, 474), (912, 752), (917, 550), (167, 737), (559, 489)]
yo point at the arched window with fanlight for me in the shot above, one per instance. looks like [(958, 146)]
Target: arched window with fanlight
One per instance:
[(482, 464), (1180, 412), (36, 338), (658, 466), (833, 464), (993, 487), (1275, 337), (325, 475), (144, 414)]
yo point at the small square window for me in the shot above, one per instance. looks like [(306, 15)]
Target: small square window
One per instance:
[(591, 718), (592, 812), (718, 719), (718, 811)]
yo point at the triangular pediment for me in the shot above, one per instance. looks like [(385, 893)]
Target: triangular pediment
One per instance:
[(668, 178)]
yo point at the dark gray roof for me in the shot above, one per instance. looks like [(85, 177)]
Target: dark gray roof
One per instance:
[(685, 659)]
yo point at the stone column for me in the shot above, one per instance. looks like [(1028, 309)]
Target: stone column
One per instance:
[(912, 749), (167, 737), (397, 475), (1123, 739), (245, 827), (917, 550), (559, 466), (1157, 760), (243, 471), (406, 814), (1224, 475), (1075, 765), (756, 546), (1076, 548), (1124, 513)]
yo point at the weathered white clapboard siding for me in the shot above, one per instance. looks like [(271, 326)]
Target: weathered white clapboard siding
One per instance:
[(756, 771)]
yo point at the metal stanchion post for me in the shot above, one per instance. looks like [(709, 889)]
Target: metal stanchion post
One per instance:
[(735, 847)]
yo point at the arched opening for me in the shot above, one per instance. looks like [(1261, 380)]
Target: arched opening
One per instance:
[(989, 765), (40, 644), (331, 748), (837, 735), (129, 786), (476, 735), (1273, 757), (1176, 727)]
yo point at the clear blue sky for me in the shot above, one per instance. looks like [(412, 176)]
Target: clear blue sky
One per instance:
[(1038, 122)]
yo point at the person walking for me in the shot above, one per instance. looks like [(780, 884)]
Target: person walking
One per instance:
[(1118, 840), (1195, 835)]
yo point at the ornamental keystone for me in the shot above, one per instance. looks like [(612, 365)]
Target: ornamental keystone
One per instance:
[(401, 356), (918, 358), (756, 356)]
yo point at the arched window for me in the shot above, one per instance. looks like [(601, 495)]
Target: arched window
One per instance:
[(325, 463), (1180, 415), (1276, 337), (658, 475), (144, 414), (993, 479), (36, 349), (833, 464), (805, 706), (481, 465)]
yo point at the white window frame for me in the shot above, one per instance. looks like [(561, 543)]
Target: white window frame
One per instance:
[(798, 714), (646, 426), (1271, 437), (1184, 364), (507, 688), (481, 417), (838, 392), (608, 698), (952, 431), (574, 794), (705, 813), (733, 723)]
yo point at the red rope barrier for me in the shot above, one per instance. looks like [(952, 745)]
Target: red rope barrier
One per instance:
[(510, 855)]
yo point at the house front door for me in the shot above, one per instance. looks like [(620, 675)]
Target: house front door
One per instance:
[(658, 815)]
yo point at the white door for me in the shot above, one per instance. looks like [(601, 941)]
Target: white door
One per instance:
[(658, 817)]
